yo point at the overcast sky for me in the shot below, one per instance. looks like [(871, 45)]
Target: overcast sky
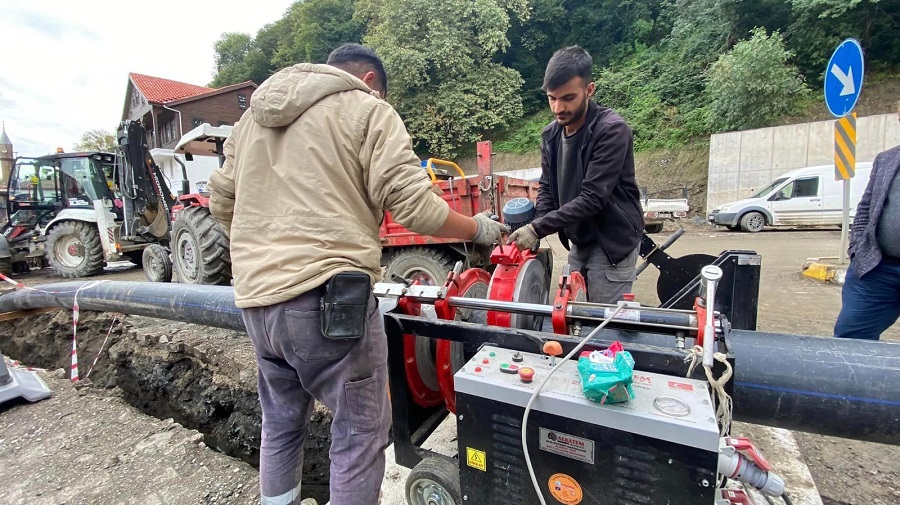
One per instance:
[(65, 63)]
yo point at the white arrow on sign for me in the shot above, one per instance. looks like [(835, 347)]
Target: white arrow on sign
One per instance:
[(846, 79)]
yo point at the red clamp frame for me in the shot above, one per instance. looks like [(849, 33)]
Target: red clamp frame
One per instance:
[(570, 286), (508, 259)]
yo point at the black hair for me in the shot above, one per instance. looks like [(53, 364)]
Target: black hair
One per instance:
[(358, 59), (566, 64)]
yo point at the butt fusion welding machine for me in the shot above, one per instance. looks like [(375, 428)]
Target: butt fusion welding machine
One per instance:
[(490, 350)]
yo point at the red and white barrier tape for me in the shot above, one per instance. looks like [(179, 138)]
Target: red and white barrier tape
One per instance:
[(102, 346)]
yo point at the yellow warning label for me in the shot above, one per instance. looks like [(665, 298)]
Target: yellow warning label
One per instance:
[(476, 459), (565, 489)]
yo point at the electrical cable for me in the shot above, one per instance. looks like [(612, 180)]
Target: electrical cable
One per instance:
[(786, 498), (537, 391)]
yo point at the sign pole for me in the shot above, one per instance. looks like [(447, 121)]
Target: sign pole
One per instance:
[(845, 222), (843, 83)]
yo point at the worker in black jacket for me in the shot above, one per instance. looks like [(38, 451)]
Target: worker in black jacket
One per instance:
[(588, 193)]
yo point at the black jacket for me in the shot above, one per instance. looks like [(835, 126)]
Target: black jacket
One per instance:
[(608, 209)]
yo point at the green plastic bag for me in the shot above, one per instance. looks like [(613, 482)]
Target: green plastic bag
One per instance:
[(606, 375)]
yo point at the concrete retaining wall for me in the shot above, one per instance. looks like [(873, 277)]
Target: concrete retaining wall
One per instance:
[(743, 162)]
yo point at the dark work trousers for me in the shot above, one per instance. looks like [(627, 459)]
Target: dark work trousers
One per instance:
[(871, 304), (297, 364), (605, 283)]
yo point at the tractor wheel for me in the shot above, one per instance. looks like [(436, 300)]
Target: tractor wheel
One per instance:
[(427, 266), (157, 265), (654, 228), (753, 222), (200, 249), (434, 481), (74, 249)]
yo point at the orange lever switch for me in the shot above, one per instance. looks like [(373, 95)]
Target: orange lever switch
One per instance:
[(553, 348)]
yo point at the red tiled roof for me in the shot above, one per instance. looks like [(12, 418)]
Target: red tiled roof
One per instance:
[(159, 90)]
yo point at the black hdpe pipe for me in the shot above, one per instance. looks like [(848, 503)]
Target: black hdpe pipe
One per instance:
[(833, 386), (188, 303), (838, 387)]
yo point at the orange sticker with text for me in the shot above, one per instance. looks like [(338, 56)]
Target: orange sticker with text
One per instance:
[(565, 489)]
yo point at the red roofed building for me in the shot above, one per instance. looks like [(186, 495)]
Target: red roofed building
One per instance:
[(168, 109)]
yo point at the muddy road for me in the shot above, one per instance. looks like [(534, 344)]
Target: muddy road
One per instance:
[(170, 415)]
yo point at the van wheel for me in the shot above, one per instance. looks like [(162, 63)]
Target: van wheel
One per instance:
[(653, 228), (753, 222)]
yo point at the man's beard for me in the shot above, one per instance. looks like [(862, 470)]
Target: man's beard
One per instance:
[(574, 116)]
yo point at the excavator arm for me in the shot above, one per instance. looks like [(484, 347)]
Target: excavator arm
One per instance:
[(146, 198)]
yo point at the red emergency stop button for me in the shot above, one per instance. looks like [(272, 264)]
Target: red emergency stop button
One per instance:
[(526, 374)]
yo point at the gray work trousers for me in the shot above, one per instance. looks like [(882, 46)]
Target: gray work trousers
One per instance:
[(605, 283), (297, 364)]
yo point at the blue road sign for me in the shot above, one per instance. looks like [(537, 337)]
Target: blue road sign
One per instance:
[(844, 78)]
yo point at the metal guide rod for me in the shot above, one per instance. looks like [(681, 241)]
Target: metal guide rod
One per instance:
[(677, 320)]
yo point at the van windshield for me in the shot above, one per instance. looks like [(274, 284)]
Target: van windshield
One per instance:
[(768, 189)]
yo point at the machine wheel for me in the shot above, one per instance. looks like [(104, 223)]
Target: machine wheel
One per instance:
[(74, 249), (427, 266), (753, 222), (434, 481), (157, 264), (200, 249), (654, 228)]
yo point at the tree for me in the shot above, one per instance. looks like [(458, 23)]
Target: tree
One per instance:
[(316, 27), (231, 53), (96, 140), (442, 78), (753, 84)]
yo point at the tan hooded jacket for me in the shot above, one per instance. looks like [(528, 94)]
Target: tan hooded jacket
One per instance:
[(309, 170)]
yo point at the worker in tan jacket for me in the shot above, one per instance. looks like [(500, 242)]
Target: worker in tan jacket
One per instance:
[(309, 171)]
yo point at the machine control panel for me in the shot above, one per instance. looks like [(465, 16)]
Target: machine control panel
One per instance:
[(664, 407)]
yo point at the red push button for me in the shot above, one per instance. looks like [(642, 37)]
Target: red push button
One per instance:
[(477, 369), (485, 361), (526, 374)]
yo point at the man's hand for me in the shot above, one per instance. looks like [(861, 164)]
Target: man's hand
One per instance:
[(489, 231), (525, 238)]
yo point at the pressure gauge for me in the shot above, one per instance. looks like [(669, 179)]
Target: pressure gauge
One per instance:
[(671, 406)]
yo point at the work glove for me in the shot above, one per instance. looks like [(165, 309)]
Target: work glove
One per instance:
[(489, 231), (525, 238)]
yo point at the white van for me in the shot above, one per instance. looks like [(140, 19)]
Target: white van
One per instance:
[(803, 197)]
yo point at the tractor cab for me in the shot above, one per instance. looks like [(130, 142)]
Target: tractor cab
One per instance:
[(41, 187)]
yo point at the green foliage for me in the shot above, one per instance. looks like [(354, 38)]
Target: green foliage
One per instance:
[(438, 56), (316, 28), (525, 136), (753, 84), (96, 140), (675, 69)]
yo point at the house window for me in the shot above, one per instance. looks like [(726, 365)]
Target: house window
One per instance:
[(242, 101), (197, 121)]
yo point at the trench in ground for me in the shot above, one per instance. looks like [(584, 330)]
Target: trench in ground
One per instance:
[(214, 395)]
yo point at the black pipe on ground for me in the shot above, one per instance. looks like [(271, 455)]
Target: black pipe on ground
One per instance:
[(837, 387)]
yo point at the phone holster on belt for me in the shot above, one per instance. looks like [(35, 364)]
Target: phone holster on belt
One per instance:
[(345, 306)]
